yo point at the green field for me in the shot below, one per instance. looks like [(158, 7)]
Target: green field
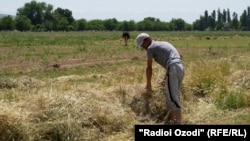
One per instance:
[(89, 86)]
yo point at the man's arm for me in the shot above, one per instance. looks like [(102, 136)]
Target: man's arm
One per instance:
[(149, 73)]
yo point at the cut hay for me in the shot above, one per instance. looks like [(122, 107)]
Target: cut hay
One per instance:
[(10, 129)]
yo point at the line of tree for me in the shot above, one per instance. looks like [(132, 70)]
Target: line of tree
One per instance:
[(223, 21), (39, 16)]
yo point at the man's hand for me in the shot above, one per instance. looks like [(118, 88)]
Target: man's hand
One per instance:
[(148, 87)]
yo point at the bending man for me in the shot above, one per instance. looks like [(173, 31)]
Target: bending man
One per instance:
[(169, 58)]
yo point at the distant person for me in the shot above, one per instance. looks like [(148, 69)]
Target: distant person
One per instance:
[(125, 36), (169, 58)]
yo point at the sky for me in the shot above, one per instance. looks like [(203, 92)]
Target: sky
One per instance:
[(137, 10)]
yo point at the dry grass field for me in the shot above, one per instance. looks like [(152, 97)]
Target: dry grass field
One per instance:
[(88, 86)]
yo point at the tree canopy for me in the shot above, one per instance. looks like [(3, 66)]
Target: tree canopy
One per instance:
[(40, 16)]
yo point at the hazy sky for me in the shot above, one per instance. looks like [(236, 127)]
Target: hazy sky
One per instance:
[(137, 10)]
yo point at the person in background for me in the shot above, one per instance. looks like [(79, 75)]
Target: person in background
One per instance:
[(169, 58), (125, 36)]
